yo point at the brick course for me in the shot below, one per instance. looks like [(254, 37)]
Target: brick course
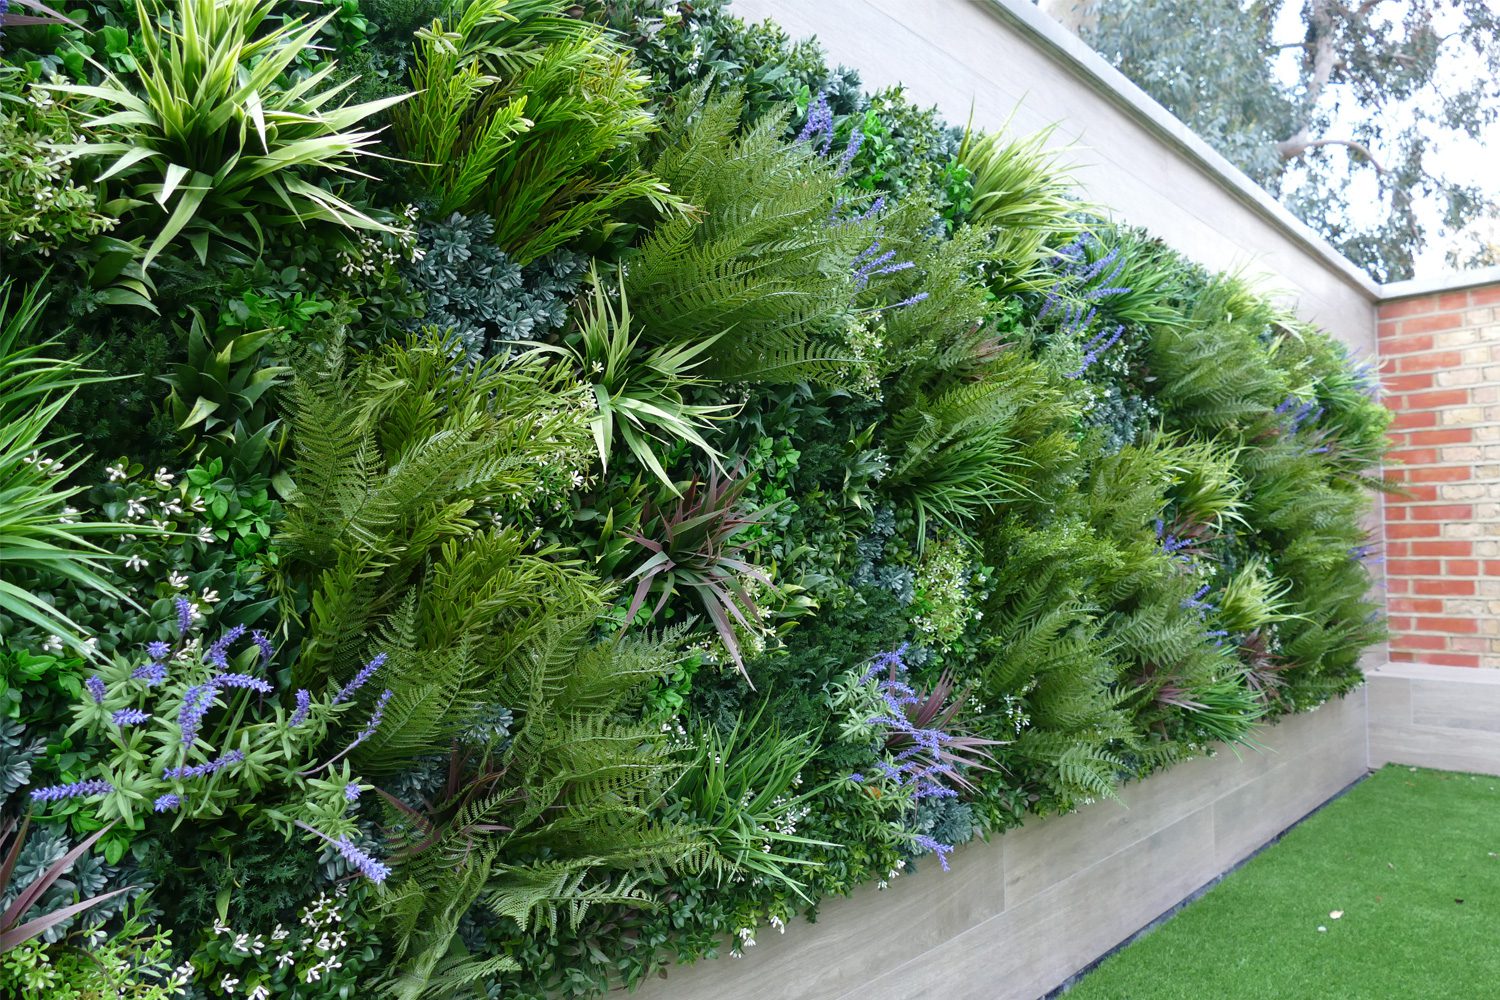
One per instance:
[(1440, 366)]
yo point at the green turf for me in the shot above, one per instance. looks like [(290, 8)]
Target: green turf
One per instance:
[(1411, 858)]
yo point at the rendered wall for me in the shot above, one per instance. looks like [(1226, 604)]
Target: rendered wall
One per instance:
[(1016, 917), (996, 56), (1440, 353), (1430, 716)]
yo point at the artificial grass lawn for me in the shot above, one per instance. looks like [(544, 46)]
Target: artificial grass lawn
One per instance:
[(1411, 858)]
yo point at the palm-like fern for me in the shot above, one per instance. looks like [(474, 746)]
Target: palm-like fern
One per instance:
[(561, 823), (397, 465), (765, 267)]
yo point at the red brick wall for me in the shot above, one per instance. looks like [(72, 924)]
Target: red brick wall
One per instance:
[(1440, 357)]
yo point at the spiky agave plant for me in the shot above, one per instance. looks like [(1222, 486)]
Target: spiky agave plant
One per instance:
[(37, 539), (639, 391), (209, 143), (1023, 191), (699, 546)]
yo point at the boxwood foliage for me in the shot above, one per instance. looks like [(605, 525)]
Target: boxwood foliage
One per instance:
[(988, 505)]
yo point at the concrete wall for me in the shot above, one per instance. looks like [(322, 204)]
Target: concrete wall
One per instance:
[(1440, 354), (1000, 56), (1016, 917)]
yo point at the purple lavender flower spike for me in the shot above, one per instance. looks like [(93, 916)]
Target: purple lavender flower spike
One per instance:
[(919, 297), (266, 649), (366, 865), (366, 672), (54, 793), (856, 139), (218, 653), (940, 849), (819, 123), (158, 650), (375, 718), (304, 702), (166, 803), (196, 701), (200, 770), (129, 717), (242, 681), (152, 673), (96, 689), (351, 792), (184, 615)]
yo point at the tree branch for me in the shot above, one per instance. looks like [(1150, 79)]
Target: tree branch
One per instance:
[(1300, 145)]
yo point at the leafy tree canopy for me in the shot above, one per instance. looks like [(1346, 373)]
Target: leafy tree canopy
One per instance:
[(1352, 110)]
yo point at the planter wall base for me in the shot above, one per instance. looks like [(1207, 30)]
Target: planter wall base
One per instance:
[(1018, 916)]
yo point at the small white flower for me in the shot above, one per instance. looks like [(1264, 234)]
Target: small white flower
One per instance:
[(115, 472), (171, 507), (280, 933), (163, 477), (285, 958), (198, 505), (241, 942), (206, 534), (134, 508), (210, 597), (137, 561), (177, 581), (220, 928), (259, 993), (53, 644), (91, 645), (313, 974), (68, 515), (228, 983)]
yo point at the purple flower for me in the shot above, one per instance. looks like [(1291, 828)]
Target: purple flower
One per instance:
[(242, 681), (940, 849), (1093, 349), (96, 689), (266, 649), (129, 717), (367, 866), (167, 802), (366, 672), (218, 653), (351, 792), (184, 615), (152, 673), (819, 123), (919, 297), (375, 718), (856, 139), (53, 793), (1197, 602), (158, 650), (304, 702), (199, 770), (196, 702)]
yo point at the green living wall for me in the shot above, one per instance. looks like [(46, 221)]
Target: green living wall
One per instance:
[(500, 497)]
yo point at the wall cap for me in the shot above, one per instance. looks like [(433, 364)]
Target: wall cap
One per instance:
[(1435, 672), (1452, 282)]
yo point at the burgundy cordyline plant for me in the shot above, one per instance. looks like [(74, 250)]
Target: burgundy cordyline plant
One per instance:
[(698, 546)]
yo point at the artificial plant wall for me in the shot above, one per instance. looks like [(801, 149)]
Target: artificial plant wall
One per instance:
[(500, 497)]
